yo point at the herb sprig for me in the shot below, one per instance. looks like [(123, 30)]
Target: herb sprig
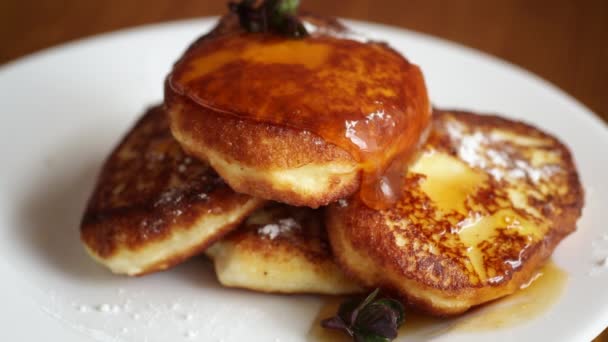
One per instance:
[(278, 16), (369, 320)]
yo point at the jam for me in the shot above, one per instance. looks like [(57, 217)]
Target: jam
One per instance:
[(363, 97)]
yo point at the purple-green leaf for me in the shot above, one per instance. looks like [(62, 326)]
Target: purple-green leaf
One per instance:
[(369, 319), (396, 306), (277, 16), (336, 323), (378, 319), (365, 302)]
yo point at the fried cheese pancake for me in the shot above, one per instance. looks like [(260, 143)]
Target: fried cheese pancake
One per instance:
[(280, 249), (299, 121), (485, 205), (154, 206), (271, 162)]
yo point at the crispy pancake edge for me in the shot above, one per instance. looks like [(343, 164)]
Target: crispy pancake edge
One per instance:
[(129, 231), (264, 160), (338, 284), (297, 260), (455, 299)]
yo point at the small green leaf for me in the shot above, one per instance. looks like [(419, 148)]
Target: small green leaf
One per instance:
[(397, 308), (365, 337), (368, 320), (277, 16), (367, 300), (288, 7), (346, 309), (378, 319), (336, 323)]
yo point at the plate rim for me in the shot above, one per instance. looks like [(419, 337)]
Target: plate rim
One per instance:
[(593, 118)]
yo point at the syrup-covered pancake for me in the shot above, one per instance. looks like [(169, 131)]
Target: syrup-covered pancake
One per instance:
[(280, 249), (154, 206), (301, 121), (484, 206)]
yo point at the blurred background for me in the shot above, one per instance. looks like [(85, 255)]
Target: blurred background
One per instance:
[(563, 41)]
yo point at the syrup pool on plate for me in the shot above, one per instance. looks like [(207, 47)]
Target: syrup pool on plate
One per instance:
[(531, 301)]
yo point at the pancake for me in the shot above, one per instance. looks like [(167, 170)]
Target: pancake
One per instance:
[(153, 206), (266, 161), (280, 249), (485, 205), (278, 125)]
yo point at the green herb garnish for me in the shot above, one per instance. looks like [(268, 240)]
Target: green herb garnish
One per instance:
[(369, 320), (278, 16)]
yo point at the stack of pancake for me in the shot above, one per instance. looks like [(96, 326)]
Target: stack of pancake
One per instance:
[(316, 165)]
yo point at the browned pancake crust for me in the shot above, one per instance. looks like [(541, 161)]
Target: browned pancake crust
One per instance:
[(417, 274), (283, 147), (272, 151), (148, 188), (239, 139), (279, 245), (261, 146), (308, 238)]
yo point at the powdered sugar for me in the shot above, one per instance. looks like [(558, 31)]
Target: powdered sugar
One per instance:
[(104, 308), (170, 196), (599, 248), (191, 334), (479, 149), (283, 226)]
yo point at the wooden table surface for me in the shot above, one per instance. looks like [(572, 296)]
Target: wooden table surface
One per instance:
[(563, 41)]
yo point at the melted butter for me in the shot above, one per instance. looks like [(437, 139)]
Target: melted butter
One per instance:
[(211, 63), (450, 184), (289, 52), (474, 231), (449, 181), (363, 97), (531, 301)]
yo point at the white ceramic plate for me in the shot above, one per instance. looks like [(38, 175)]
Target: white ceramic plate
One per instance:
[(63, 109)]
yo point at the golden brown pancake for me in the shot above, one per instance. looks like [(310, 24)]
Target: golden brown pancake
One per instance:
[(280, 249), (485, 205), (154, 206), (299, 121), (272, 162)]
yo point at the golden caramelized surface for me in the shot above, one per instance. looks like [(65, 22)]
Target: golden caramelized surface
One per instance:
[(484, 205), (266, 161), (282, 249), (154, 206), (363, 97)]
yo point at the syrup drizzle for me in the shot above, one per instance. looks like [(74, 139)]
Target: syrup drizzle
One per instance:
[(361, 96)]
